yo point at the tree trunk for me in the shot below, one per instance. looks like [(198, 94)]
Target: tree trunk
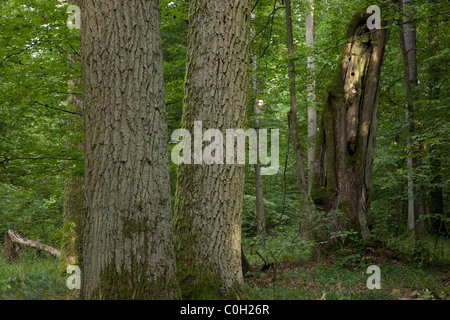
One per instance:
[(11, 250), (258, 105), (312, 113), (72, 242), (416, 204), (209, 198), (72, 248), (346, 140), (261, 218), (301, 177), (128, 248), (436, 193)]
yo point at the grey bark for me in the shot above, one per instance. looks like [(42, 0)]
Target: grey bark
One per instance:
[(416, 205), (128, 248), (312, 113), (209, 198)]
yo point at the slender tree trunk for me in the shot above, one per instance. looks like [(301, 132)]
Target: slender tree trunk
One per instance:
[(128, 248), (436, 193), (301, 176), (261, 223), (258, 105), (209, 197), (293, 112), (416, 204), (312, 113), (346, 140)]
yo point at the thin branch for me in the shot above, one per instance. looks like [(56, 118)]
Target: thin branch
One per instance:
[(54, 108), (6, 159)]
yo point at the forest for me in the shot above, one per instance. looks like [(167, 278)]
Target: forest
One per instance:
[(224, 150)]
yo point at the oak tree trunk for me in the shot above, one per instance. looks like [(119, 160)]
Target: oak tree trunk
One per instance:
[(209, 197), (345, 143), (128, 248)]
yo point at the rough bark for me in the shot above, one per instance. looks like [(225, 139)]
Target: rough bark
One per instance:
[(128, 248), (209, 198), (345, 143)]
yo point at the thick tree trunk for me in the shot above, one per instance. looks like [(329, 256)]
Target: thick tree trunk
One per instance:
[(312, 113), (346, 140), (209, 198), (128, 248)]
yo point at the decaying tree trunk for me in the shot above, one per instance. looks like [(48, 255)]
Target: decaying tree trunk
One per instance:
[(346, 140), (13, 237), (10, 248)]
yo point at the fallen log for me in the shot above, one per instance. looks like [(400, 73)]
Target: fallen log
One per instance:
[(21, 240)]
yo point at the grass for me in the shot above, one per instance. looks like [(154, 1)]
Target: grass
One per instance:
[(341, 276), (31, 277)]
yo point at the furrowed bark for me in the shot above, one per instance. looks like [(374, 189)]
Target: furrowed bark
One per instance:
[(128, 248), (209, 198)]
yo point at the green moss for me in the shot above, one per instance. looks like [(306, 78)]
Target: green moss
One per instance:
[(131, 227), (197, 282), (133, 285)]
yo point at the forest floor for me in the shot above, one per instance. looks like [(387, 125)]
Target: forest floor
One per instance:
[(341, 276)]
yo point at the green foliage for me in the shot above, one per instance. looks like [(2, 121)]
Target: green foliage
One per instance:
[(35, 159), (31, 278), (35, 213)]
